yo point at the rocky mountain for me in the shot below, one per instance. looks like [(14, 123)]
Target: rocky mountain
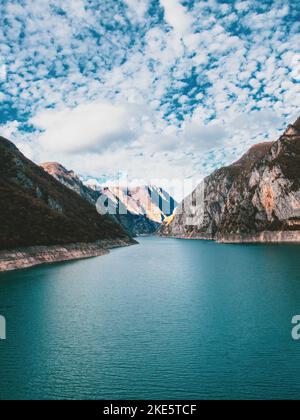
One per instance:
[(36, 209), (139, 210), (257, 199), (71, 180)]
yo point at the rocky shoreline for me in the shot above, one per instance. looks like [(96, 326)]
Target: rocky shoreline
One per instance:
[(21, 258), (283, 237), (266, 237)]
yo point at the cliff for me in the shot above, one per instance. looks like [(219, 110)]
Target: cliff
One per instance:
[(257, 199), (37, 210)]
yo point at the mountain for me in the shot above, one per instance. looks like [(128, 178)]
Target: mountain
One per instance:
[(140, 210), (257, 199), (71, 180), (37, 210)]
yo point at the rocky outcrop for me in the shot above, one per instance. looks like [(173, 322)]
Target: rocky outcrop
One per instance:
[(21, 258), (257, 199), (139, 210)]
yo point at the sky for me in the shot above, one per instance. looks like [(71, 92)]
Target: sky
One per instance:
[(152, 89)]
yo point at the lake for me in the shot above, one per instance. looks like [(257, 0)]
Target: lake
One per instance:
[(168, 319)]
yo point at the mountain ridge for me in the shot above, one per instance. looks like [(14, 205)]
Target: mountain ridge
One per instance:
[(37, 210), (256, 199)]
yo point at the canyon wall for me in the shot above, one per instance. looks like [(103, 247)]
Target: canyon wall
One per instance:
[(257, 199)]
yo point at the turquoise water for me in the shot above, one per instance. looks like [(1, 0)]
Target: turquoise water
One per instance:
[(169, 319)]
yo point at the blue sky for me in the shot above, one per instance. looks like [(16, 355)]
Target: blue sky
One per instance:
[(152, 88)]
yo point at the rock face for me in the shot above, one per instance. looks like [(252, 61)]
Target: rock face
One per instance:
[(257, 199), (139, 210), (37, 210)]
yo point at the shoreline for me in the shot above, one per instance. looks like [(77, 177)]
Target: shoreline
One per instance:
[(27, 257), (266, 237)]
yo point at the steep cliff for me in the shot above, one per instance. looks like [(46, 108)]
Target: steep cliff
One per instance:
[(139, 210), (36, 209), (255, 199)]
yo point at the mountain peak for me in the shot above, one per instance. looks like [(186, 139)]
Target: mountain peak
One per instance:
[(8, 144), (253, 155), (297, 124), (293, 129), (54, 168)]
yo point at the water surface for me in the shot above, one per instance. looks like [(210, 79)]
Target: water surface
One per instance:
[(169, 319)]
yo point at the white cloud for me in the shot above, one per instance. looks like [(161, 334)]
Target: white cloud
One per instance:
[(295, 67), (9, 130), (138, 7), (176, 16), (88, 127), (204, 138), (255, 83), (242, 6), (3, 72), (116, 90)]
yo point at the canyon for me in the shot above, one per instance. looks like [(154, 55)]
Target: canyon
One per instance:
[(50, 214)]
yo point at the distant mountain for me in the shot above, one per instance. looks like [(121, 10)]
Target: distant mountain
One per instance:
[(146, 207), (140, 210), (36, 209), (257, 199)]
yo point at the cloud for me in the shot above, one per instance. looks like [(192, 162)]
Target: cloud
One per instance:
[(256, 121), (295, 67), (86, 128), (242, 6), (204, 138), (177, 16), (9, 130), (3, 72), (162, 87), (138, 8)]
